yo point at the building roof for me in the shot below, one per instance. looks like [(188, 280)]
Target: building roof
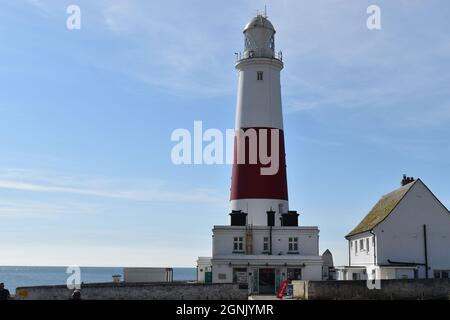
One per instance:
[(381, 210)]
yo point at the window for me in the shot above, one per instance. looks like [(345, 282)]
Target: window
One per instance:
[(294, 274), (356, 247), (240, 275), (247, 43), (361, 245), (238, 244), (367, 245), (266, 244), (260, 75), (441, 274), (293, 244)]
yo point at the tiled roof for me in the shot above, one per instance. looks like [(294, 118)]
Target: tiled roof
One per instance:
[(381, 210)]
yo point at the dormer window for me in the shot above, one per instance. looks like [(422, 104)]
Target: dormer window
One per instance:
[(259, 75)]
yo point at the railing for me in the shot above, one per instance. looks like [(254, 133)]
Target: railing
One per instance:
[(251, 54)]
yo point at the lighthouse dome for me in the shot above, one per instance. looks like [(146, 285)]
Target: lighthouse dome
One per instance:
[(259, 38), (259, 21)]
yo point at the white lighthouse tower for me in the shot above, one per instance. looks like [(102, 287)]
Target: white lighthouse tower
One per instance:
[(259, 111), (263, 245)]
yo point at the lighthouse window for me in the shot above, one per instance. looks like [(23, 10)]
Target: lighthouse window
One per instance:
[(260, 75), (247, 43), (272, 43), (293, 244), (238, 244)]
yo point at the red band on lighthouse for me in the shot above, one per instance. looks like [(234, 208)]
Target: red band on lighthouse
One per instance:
[(249, 179)]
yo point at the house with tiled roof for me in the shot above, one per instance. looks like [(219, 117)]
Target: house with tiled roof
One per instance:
[(406, 235)]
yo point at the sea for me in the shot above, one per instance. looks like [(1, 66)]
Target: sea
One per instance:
[(15, 277)]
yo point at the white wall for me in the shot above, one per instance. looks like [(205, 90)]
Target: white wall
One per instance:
[(308, 239), (400, 235), (257, 209), (347, 274), (259, 102), (362, 256), (312, 272), (222, 269), (203, 266)]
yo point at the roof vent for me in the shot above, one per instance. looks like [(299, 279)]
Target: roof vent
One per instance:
[(406, 180)]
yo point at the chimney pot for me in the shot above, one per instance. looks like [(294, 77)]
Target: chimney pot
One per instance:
[(406, 180)]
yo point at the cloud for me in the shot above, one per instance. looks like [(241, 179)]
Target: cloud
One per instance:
[(21, 208), (31, 181), (171, 50), (38, 4), (332, 59)]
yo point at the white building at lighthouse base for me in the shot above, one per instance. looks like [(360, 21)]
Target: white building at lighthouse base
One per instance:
[(261, 257)]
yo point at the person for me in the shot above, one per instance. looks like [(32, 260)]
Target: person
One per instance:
[(4, 293)]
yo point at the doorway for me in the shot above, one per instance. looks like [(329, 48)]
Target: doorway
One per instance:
[(266, 281)]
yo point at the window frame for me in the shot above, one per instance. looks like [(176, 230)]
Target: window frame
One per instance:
[(238, 244), (260, 75), (266, 244), (293, 244)]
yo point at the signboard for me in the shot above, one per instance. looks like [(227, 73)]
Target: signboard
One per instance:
[(282, 289)]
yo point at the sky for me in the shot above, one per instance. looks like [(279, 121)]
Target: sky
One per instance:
[(86, 117)]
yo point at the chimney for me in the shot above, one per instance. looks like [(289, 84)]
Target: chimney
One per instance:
[(406, 180)]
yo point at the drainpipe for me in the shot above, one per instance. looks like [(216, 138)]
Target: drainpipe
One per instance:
[(426, 249), (270, 241), (349, 254), (374, 248)]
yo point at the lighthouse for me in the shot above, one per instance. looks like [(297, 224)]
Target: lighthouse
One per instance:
[(259, 117), (263, 245)]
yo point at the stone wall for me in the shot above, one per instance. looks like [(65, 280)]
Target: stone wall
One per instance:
[(403, 289), (138, 291)]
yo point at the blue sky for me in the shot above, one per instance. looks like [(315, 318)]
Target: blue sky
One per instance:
[(86, 117)]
